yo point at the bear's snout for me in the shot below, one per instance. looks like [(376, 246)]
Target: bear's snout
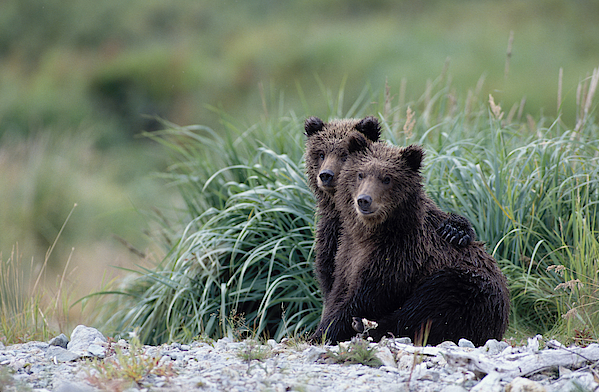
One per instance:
[(364, 204), (326, 177)]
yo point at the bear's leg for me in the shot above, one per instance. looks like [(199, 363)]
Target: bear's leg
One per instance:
[(449, 305), (334, 328), (327, 237), (336, 322)]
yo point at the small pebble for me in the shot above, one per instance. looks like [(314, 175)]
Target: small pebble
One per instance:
[(465, 343)]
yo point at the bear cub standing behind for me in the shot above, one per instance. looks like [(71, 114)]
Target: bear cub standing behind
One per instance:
[(392, 265), (326, 153)]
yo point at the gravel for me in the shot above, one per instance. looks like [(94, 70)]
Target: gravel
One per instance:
[(90, 362)]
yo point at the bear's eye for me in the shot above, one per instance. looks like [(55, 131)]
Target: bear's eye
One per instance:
[(386, 180), (360, 176), (344, 158), (321, 156)]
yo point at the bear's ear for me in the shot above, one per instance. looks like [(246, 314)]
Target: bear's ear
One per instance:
[(413, 155), (313, 125), (370, 127), (356, 143)]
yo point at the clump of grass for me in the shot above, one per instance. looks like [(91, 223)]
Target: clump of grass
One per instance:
[(127, 368), (577, 291), (357, 351), (250, 257), (28, 310), (528, 199), (22, 314), (254, 351)]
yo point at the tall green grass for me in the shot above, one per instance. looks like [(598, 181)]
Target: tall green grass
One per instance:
[(249, 259), (535, 203), (529, 189)]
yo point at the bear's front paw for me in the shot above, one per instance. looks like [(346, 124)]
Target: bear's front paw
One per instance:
[(457, 230), (357, 324)]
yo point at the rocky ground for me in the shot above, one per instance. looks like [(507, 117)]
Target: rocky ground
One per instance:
[(89, 362)]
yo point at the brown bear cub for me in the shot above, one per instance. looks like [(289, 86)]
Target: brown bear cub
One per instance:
[(326, 153), (393, 266)]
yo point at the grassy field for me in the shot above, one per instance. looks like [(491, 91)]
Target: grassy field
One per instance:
[(81, 84)]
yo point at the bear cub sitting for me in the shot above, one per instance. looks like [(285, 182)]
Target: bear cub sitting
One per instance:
[(392, 264), (326, 153)]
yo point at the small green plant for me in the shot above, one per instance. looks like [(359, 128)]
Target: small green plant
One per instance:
[(254, 351), (236, 327), (126, 368), (357, 351), (419, 341)]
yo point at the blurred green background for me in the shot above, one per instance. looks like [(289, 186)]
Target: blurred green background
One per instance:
[(80, 80)]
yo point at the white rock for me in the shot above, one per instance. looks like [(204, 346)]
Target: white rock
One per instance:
[(82, 337), (312, 353), (490, 383), (454, 388), (465, 343), (386, 357), (520, 384), (533, 344), (493, 347)]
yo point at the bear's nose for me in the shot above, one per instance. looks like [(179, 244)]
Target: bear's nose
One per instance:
[(364, 202), (326, 176)]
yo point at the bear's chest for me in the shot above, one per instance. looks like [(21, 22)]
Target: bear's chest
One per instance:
[(386, 272)]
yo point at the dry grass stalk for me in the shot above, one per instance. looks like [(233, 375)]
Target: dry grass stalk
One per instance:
[(521, 109), (410, 122), (592, 90), (559, 269), (571, 284), (559, 88), (511, 114), (496, 109), (584, 98), (388, 98), (402, 92), (508, 54)]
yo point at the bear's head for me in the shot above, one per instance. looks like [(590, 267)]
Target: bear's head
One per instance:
[(327, 148), (380, 181)]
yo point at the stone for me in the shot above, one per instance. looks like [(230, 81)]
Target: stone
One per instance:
[(313, 353), (81, 339), (490, 383), (386, 357), (74, 387), (58, 354), (60, 341), (520, 384), (97, 350), (465, 343), (454, 388), (493, 347), (533, 344)]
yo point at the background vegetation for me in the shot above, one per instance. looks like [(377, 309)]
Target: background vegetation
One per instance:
[(81, 81)]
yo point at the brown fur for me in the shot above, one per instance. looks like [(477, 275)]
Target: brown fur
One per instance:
[(392, 265), (326, 152)]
